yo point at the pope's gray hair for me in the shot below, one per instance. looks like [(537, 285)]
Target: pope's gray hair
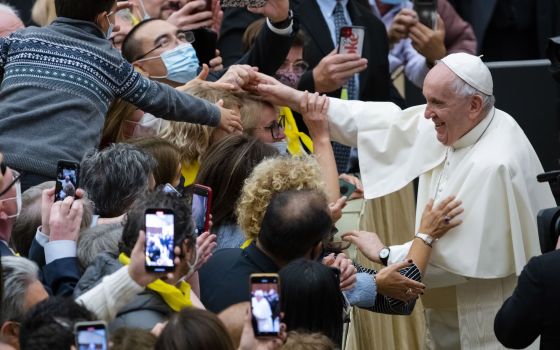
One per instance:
[(462, 89), (17, 274)]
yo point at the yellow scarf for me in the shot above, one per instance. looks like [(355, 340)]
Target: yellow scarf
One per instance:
[(293, 135), (177, 298), (246, 243), (189, 172)]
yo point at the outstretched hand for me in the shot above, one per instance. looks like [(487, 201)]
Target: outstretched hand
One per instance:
[(366, 242), (392, 284)]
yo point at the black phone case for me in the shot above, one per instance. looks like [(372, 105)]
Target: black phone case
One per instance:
[(205, 41)]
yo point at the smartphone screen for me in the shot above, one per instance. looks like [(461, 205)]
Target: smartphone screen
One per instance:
[(201, 201), (67, 176), (351, 40), (427, 12), (160, 233), (346, 188), (168, 188), (265, 304), (91, 335)]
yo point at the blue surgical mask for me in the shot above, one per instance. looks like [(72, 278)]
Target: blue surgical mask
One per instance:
[(392, 2), (110, 30), (181, 63), (281, 147)]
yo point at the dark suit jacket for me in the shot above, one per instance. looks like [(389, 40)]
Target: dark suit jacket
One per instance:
[(268, 52), (375, 82), (534, 307), (60, 276), (224, 279), (4, 250), (479, 14)]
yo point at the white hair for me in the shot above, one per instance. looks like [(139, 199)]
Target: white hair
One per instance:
[(17, 275), (461, 88), (8, 8)]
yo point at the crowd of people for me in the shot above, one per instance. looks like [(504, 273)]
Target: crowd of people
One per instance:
[(150, 97)]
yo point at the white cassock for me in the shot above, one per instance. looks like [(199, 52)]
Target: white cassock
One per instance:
[(263, 314), (492, 170)]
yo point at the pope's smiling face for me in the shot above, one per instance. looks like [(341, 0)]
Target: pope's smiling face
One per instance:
[(449, 111)]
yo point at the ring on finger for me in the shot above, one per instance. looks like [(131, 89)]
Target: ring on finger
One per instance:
[(447, 219), (408, 291)]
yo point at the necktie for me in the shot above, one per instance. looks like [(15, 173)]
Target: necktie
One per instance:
[(342, 152)]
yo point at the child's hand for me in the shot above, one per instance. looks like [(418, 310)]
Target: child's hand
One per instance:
[(314, 111), (230, 121)]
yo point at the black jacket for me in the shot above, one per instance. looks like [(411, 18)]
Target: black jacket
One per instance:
[(534, 307), (224, 279)]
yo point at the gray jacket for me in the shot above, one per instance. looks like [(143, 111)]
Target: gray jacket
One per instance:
[(144, 311)]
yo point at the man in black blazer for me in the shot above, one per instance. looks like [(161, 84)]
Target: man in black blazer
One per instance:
[(533, 309)]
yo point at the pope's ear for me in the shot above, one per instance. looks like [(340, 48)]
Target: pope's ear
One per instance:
[(476, 106)]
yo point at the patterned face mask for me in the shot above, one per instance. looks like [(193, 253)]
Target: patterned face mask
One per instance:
[(288, 78)]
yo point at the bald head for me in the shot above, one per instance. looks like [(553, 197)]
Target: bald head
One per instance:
[(9, 20)]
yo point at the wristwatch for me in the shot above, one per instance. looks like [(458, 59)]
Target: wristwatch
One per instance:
[(384, 255), (427, 239)]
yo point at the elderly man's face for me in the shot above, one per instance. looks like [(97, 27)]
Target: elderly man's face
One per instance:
[(448, 111), (161, 9)]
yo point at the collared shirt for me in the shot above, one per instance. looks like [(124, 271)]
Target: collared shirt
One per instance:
[(403, 54), (327, 9)]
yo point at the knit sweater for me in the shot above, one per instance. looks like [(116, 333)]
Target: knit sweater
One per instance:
[(57, 84)]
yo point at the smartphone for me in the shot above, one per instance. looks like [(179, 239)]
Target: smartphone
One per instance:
[(201, 203), (168, 188), (427, 12), (160, 238), (346, 188), (351, 39), (91, 335), (265, 304), (205, 43), (67, 179), (243, 3)]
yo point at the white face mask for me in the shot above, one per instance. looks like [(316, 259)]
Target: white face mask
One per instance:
[(147, 126), (146, 15), (17, 198), (111, 25), (191, 266), (281, 146)]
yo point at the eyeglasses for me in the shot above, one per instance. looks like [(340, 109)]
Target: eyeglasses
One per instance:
[(16, 179), (165, 42), (276, 129), (331, 246), (298, 67)]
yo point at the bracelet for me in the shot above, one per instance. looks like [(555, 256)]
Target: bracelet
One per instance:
[(427, 239)]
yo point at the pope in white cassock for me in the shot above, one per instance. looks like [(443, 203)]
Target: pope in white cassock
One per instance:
[(458, 144)]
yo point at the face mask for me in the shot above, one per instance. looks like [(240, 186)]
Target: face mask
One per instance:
[(17, 198), (288, 78), (181, 63), (281, 146), (392, 2), (146, 15), (110, 30), (147, 126), (191, 266)]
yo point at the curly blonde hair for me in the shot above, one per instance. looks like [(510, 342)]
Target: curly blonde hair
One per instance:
[(270, 177)]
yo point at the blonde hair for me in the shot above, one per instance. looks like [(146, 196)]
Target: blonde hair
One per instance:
[(251, 111), (270, 177), (308, 341), (43, 12), (192, 140)]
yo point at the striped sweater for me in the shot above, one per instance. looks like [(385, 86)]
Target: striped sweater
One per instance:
[(57, 84)]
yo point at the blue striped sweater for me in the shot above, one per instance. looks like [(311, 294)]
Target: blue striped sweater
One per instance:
[(57, 84)]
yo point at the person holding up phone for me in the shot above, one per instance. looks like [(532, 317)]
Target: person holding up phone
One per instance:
[(416, 44)]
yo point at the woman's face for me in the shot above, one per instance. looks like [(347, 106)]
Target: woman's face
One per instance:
[(268, 125)]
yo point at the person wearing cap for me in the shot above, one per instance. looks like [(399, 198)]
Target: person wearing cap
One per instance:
[(457, 144)]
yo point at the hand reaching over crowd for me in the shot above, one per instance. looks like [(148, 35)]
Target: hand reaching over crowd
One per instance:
[(192, 15)]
